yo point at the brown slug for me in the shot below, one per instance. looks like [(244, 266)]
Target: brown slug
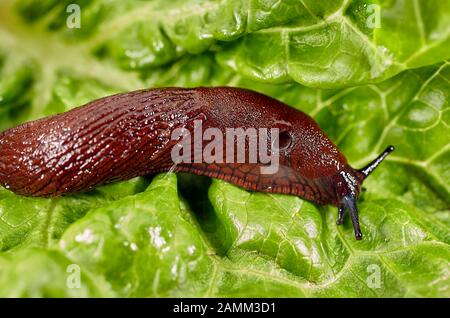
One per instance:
[(130, 134)]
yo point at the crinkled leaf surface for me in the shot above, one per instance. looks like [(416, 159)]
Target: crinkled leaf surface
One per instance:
[(182, 235)]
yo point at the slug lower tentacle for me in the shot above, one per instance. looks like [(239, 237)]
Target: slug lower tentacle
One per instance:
[(132, 134)]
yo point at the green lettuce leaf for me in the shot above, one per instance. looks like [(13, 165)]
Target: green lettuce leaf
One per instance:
[(188, 236)]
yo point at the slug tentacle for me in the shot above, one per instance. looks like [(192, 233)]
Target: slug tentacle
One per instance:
[(341, 211), (368, 169), (349, 202)]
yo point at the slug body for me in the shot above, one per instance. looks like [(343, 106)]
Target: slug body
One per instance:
[(127, 135)]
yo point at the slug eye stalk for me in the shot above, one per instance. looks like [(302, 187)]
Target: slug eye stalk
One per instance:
[(367, 170)]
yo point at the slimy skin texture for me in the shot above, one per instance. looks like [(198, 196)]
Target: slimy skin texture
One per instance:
[(127, 135)]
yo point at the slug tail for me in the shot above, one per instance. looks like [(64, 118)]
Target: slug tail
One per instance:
[(367, 170)]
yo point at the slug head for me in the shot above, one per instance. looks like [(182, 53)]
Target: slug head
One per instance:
[(310, 165), (348, 190)]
